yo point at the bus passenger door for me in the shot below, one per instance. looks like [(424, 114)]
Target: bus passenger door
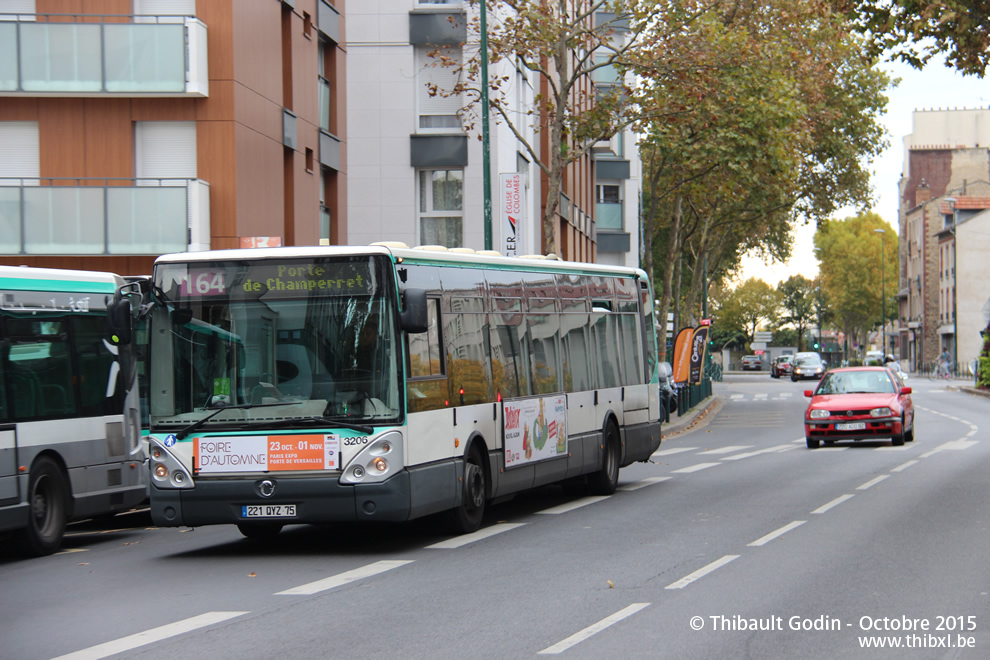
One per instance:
[(8, 464)]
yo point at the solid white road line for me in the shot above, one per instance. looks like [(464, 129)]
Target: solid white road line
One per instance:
[(576, 504), (701, 572), (723, 450), (695, 468), (873, 482), (636, 485), (904, 466), (670, 452), (836, 502), (780, 532), (343, 578), (150, 636), (481, 534), (579, 637)]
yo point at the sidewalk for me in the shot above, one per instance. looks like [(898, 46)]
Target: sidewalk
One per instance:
[(969, 389), (700, 414)]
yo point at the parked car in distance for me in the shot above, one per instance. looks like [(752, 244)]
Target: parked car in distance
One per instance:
[(781, 366), (752, 363), (859, 403), (807, 365)]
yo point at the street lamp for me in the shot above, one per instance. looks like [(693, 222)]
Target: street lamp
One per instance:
[(883, 293), (821, 343)]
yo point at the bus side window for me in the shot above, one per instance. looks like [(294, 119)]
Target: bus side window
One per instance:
[(426, 388)]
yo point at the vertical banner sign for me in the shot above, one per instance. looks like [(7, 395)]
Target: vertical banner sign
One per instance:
[(512, 206), (682, 355), (699, 343)]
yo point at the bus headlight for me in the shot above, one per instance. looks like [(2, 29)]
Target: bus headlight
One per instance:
[(379, 460), (167, 471)]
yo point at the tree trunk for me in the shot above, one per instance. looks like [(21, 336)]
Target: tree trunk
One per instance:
[(668, 275)]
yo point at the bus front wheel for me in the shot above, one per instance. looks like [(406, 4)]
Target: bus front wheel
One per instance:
[(467, 517), (606, 479), (48, 509)]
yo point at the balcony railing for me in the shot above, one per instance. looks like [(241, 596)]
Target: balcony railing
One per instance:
[(103, 216), (608, 216), (88, 55)]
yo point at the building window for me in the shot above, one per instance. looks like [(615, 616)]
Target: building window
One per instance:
[(435, 106), (441, 207)]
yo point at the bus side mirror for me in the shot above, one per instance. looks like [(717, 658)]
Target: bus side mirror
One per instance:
[(414, 317), (119, 320)]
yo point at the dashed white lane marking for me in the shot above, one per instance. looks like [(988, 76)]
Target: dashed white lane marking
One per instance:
[(824, 449), (670, 452), (873, 482), (784, 395), (150, 636), (695, 468), (643, 483), (768, 450), (579, 637), (892, 448), (344, 578), (724, 450), (576, 504), (836, 502), (481, 534), (763, 540), (735, 397), (904, 466), (701, 572), (760, 397)]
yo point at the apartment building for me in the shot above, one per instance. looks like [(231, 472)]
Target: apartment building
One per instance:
[(416, 172), (944, 287), (131, 128)]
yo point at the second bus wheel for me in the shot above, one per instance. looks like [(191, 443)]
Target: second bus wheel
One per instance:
[(48, 509), (606, 479)]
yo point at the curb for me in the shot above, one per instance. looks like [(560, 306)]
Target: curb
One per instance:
[(698, 415), (974, 391)]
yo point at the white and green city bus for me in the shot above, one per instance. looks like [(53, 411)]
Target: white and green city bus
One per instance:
[(70, 436), (382, 383)]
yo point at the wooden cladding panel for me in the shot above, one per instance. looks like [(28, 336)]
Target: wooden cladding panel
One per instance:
[(216, 163), (61, 125), (121, 265), (108, 138), (19, 109)]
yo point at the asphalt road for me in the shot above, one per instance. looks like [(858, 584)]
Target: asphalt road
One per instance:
[(736, 542)]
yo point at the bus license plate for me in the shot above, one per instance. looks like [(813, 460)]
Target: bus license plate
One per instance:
[(851, 426), (269, 511)]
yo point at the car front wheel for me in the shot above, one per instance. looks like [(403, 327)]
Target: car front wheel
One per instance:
[(812, 444)]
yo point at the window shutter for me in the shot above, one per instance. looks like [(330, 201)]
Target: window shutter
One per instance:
[(19, 155), (445, 78), (165, 150)]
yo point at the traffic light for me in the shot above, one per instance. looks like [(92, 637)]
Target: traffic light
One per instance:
[(816, 345)]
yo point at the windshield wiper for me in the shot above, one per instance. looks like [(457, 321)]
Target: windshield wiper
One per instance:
[(199, 422), (337, 421)]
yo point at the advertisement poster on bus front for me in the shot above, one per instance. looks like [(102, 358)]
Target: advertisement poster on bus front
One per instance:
[(512, 207), (535, 429), (264, 453)]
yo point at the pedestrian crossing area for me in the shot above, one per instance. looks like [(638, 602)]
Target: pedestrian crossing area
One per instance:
[(761, 396)]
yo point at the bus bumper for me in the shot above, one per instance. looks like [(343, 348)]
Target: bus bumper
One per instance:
[(317, 500)]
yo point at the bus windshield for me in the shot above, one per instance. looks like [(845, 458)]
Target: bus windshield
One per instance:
[(317, 334)]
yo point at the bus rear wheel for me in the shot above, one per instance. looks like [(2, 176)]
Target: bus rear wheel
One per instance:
[(606, 479), (48, 509), (467, 517)]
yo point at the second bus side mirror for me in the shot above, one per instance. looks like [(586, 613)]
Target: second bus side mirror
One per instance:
[(119, 319)]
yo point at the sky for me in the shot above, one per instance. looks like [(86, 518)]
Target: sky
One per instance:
[(935, 86)]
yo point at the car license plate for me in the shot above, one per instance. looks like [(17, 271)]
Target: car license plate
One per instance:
[(269, 511), (851, 426)]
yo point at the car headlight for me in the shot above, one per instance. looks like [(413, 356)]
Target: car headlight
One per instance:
[(880, 412), (818, 413)]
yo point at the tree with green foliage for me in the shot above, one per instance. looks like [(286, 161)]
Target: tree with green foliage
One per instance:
[(752, 305), (761, 135), (914, 30), (852, 279)]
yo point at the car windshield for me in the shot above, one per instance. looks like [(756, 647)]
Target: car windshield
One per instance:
[(809, 362), (856, 382)]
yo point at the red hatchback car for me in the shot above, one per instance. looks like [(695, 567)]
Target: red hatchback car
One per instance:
[(859, 403)]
